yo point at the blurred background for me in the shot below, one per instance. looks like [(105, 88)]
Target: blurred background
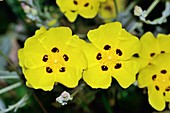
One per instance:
[(19, 19)]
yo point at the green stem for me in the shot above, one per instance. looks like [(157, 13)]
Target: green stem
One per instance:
[(6, 58), (10, 63), (78, 90), (9, 77), (151, 7), (39, 102), (115, 2), (106, 104), (11, 87), (130, 6)]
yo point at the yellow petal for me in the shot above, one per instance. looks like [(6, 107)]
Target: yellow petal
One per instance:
[(162, 61), (128, 44), (102, 0), (107, 10), (68, 8), (90, 52), (105, 35), (39, 79), (96, 78), (164, 41), (71, 16), (167, 96), (146, 74), (90, 10), (143, 62), (33, 53), (70, 77), (93, 75), (76, 58), (156, 99), (40, 31), (21, 57), (55, 37), (149, 46), (126, 74)]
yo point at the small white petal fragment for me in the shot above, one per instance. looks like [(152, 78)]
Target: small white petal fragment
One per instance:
[(138, 11), (64, 98)]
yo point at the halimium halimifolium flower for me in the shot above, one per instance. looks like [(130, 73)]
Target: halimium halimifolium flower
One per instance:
[(152, 46), (110, 55), (155, 70), (84, 8), (52, 56), (107, 10)]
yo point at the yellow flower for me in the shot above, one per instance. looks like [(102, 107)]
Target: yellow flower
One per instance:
[(52, 56), (156, 77), (110, 55), (84, 8), (152, 46), (107, 9)]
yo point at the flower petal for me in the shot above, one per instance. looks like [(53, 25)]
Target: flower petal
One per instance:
[(40, 31), (55, 37), (93, 75), (89, 8), (128, 44), (33, 53), (164, 41), (149, 46), (156, 99), (39, 79), (21, 57), (162, 61), (126, 73), (96, 78), (146, 74), (71, 15), (167, 96), (105, 35), (70, 78)]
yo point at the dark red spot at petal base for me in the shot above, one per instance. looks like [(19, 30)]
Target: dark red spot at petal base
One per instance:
[(168, 88), (163, 71), (45, 58), (152, 54), (49, 70), (153, 77), (99, 56), (107, 47), (54, 50), (108, 8), (104, 68), (62, 69), (118, 65), (86, 4), (73, 11), (66, 58), (75, 2), (119, 52), (157, 88), (162, 51)]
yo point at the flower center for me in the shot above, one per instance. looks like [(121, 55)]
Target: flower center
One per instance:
[(55, 61), (162, 81), (109, 58)]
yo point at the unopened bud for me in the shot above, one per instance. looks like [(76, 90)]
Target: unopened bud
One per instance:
[(138, 11)]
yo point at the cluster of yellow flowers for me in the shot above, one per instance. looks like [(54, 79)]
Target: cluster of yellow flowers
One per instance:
[(56, 56), (89, 8)]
